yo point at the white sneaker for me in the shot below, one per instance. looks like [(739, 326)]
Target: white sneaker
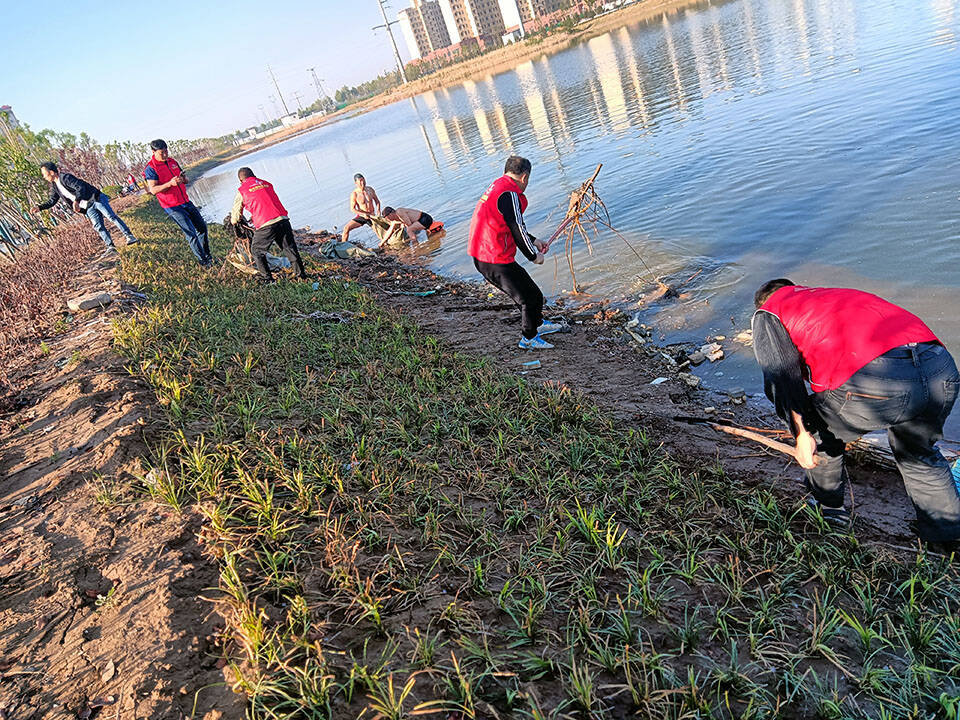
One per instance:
[(535, 343), (547, 327)]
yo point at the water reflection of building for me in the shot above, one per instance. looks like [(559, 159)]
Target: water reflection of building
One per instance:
[(480, 116), (559, 114), (674, 67), (611, 86), (630, 53), (533, 99), (498, 113), (945, 15), (426, 137)]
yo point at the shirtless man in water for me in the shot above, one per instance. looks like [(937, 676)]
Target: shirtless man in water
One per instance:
[(413, 220), (364, 203)]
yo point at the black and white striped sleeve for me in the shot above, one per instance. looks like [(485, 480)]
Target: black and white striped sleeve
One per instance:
[(509, 206)]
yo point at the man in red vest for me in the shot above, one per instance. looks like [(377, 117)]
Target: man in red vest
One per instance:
[(496, 231), (167, 182), (871, 366), (270, 221)]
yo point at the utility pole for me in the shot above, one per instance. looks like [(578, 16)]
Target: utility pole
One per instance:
[(279, 94), (321, 93), (396, 53), (296, 96)]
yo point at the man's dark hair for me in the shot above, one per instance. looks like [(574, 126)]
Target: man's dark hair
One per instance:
[(388, 211), (51, 166), (358, 176), (244, 173), (158, 144), (769, 288), (517, 165)]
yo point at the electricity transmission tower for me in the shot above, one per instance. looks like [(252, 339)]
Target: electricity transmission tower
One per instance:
[(321, 93), (386, 25), (279, 94)]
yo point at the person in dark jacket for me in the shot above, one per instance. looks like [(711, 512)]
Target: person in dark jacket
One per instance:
[(82, 197), (872, 366)]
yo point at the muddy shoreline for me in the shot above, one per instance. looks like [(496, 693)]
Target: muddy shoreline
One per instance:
[(640, 384)]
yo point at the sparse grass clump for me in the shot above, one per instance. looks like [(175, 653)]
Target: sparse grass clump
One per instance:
[(402, 529)]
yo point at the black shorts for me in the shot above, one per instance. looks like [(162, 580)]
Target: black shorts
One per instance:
[(425, 220), (359, 219)]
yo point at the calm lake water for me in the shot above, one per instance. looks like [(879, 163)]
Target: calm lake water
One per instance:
[(749, 139)]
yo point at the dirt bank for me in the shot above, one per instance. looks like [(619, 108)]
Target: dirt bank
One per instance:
[(100, 606), (602, 360)]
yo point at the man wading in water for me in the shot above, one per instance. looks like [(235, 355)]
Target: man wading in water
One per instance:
[(871, 366), (363, 203), (413, 220), (496, 231)]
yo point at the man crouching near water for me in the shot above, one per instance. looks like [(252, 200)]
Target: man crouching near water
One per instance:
[(496, 231), (871, 366), (270, 221)]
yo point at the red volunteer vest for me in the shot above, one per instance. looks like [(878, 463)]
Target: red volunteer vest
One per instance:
[(490, 238), (261, 200), (172, 196), (838, 331)]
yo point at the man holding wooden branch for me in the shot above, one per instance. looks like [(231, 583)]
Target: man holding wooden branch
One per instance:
[(871, 366), (496, 231)]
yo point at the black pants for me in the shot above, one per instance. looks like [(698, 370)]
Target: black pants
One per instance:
[(908, 391), (281, 233), (515, 282)]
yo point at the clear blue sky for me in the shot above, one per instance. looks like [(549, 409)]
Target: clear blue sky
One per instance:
[(177, 69)]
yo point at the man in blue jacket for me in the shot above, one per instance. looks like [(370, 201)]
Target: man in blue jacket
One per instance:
[(82, 197)]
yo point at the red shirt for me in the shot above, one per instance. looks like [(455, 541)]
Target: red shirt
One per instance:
[(261, 200), (164, 171), (490, 239), (839, 330)]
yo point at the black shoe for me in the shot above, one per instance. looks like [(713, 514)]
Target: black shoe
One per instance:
[(838, 517)]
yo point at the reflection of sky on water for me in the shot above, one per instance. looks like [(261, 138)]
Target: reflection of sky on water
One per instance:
[(752, 138)]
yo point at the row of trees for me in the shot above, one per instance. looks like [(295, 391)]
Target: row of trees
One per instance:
[(21, 187)]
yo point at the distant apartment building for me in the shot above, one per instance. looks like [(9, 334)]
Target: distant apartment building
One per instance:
[(424, 28), (480, 19), (523, 16)]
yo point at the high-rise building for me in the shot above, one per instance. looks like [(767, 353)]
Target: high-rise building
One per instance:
[(424, 28), (481, 19)]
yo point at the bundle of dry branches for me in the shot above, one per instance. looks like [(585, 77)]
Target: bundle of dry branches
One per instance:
[(586, 214)]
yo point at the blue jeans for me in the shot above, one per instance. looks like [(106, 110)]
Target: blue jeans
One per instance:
[(194, 228), (100, 208), (908, 391)]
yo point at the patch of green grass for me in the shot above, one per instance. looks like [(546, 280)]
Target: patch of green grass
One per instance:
[(402, 528)]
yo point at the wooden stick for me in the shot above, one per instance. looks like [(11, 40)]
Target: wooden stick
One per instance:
[(757, 437), (731, 429)]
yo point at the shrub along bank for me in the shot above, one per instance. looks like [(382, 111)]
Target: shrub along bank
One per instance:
[(402, 528)]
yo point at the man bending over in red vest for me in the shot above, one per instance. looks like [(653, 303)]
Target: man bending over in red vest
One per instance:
[(871, 366), (496, 231), (270, 221), (166, 180)]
